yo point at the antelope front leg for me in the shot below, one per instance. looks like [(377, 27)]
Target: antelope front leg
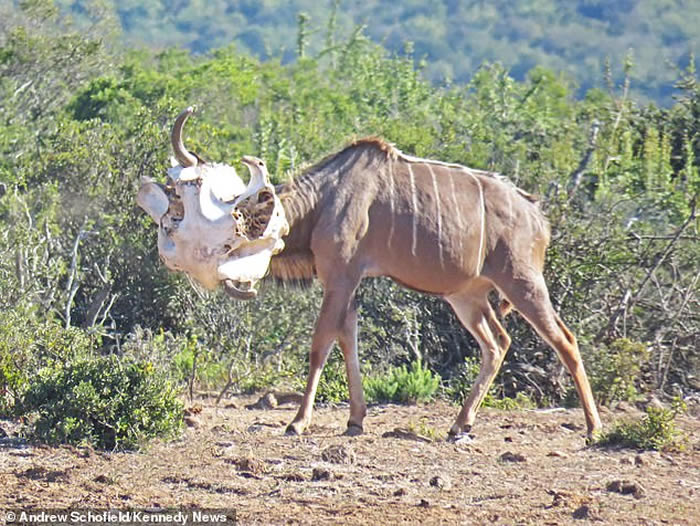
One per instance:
[(317, 359), (328, 326)]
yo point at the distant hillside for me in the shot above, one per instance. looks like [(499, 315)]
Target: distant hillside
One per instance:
[(455, 36)]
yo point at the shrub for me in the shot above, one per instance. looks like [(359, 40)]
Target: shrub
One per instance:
[(333, 385), (106, 402), (27, 344), (401, 384), (616, 370), (461, 383), (655, 430)]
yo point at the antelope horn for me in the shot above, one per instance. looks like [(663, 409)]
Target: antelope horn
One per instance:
[(185, 158), (259, 178), (232, 289)]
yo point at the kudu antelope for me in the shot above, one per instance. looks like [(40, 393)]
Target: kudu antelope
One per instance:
[(370, 210)]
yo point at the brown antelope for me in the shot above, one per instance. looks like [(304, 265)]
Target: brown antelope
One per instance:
[(370, 210)]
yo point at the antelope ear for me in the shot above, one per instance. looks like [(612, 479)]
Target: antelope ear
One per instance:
[(153, 199)]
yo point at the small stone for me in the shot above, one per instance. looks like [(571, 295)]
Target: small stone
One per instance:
[(292, 477), (508, 456), (571, 426), (399, 492), (267, 401), (639, 460), (582, 512), (193, 410), (440, 482), (250, 465), (338, 455), (191, 421), (321, 474), (670, 459), (654, 402), (558, 454), (424, 503), (558, 498), (627, 487), (86, 452), (626, 407), (625, 460)]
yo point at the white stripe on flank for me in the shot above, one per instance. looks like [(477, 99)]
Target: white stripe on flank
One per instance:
[(439, 215), (482, 240), (510, 207), (412, 159), (392, 204), (474, 171), (474, 174), (460, 220), (414, 204)]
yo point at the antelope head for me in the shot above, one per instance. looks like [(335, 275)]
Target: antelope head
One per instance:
[(210, 224)]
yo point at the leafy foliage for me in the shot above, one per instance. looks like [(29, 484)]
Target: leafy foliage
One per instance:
[(107, 402), (402, 384), (655, 430), (27, 344), (616, 369)]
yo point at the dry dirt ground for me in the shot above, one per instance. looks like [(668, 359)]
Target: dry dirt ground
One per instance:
[(522, 467)]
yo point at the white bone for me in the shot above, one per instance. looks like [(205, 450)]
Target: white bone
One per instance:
[(203, 243), (152, 199), (250, 268)]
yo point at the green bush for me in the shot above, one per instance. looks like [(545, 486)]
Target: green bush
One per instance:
[(333, 385), (655, 430), (616, 370), (27, 344), (107, 402), (401, 384), (462, 382)]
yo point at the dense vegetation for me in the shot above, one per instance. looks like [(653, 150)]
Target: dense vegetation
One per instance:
[(81, 123), (453, 37)]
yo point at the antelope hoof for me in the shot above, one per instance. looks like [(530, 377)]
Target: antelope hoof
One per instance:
[(592, 437), (460, 438), (460, 434), (353, 430), (294, 429)]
